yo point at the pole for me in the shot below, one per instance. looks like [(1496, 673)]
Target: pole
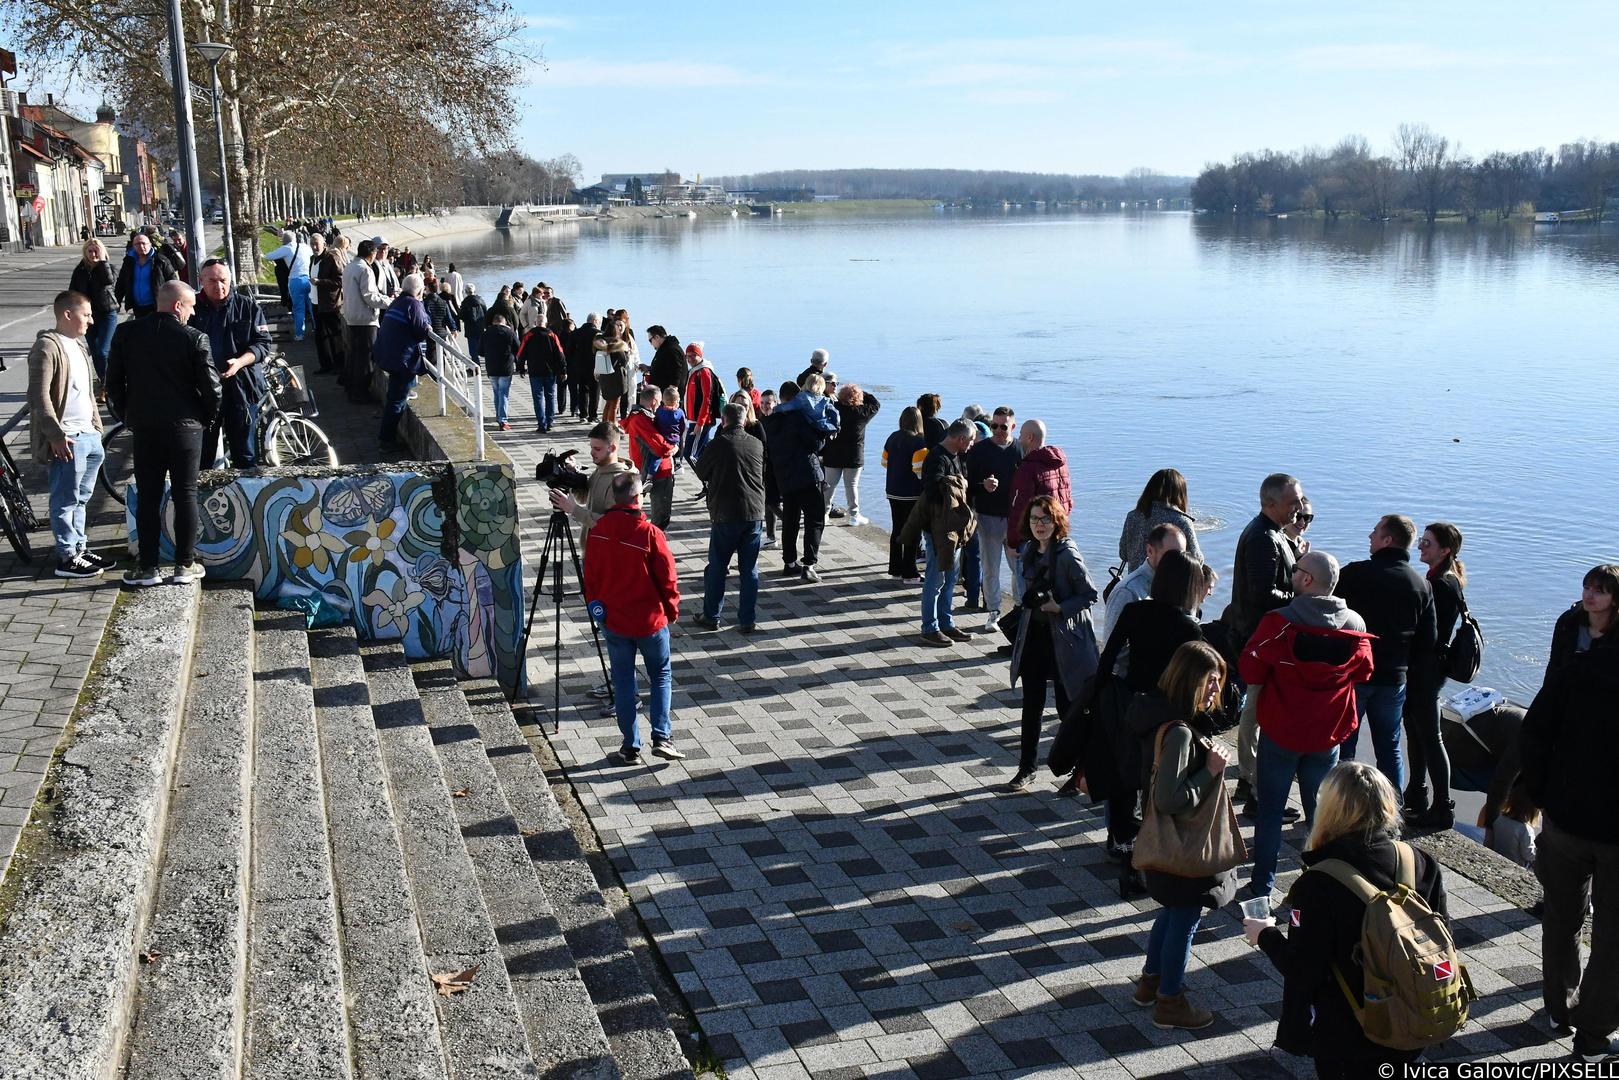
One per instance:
[(224, 179), (186, 139)]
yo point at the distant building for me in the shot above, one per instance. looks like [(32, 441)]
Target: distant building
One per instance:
[(619, 181)]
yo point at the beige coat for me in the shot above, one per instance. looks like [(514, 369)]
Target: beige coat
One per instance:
[(48, 376)]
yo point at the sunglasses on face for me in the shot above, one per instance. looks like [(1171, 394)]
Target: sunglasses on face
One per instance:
[(1305, 519), (1001, 427)]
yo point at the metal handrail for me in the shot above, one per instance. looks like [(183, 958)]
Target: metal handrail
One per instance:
[(455, 383)]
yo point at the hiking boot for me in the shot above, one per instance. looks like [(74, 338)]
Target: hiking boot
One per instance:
[(1146, 991), (142, 576), (1415, 803), (1176, 1012), (665, 748), (76, 566), (956, 635), (937, 640)]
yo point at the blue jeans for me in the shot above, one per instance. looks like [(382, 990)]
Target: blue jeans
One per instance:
[(972, 571), (298, 288), (1277, 767), (72, 482), (399, 387), (1382, 707), (991, 546), (100, 340), (938, 588), (544, 389), (697, 440), (1169, 947), (654, 649), (727, 538), (503, 389)]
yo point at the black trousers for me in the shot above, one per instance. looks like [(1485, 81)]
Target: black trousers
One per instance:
[(171, 452), (357, 366), (1429, 760), (562, 396), (901, 557), (1036, 667), (235, 419), (810, 504), (329, 340)]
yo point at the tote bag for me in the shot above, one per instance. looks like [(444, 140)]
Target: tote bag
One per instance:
[(1200, 844)]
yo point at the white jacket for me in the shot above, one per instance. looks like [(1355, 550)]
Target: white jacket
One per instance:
[(361, 297), (531, 314)]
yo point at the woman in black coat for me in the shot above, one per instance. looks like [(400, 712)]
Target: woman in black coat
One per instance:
[(1356, 820), (1589, 623), (92, 277), (845, 452), (1116, 762), (1433, 808)]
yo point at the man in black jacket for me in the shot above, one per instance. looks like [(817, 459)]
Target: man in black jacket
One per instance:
[(1261, 581), (733, 471), (795, 445), (990, 467), (585, 395), (668, 367), (161, 379), (1397, 603), (240, 338), (1567, 748)]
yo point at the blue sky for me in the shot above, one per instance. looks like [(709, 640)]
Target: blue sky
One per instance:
[(1053, 87)]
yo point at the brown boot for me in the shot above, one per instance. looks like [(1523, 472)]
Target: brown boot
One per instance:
[(1146, 991), (1177, 1012)]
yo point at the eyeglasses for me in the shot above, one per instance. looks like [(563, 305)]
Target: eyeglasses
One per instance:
[(1035, 519)]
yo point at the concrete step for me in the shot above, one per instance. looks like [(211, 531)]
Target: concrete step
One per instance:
[(67, 943), (638, 1031), (187, 1019), (296, 1021), (564, 1031), (392, 1019), (481, 1027)]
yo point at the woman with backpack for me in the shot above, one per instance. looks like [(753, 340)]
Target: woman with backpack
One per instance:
[(1425, 807), (1352, 847), (1188, 772)]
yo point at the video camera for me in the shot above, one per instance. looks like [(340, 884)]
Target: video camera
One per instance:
[(554, 471)]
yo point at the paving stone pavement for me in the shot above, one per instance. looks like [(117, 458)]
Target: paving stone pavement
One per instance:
[(841, 887), (49, 627)]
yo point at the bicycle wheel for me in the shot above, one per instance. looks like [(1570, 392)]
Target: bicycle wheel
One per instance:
[(118, 462), (292, 440), (16, 516), (25, 510)]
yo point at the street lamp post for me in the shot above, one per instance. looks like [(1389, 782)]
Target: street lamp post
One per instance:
[(186, 139), (214, 52)]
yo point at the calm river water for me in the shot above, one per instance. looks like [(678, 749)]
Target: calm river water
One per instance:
[(1454, 374)]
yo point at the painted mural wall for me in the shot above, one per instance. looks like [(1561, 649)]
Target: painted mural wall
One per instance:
[(426, 556)]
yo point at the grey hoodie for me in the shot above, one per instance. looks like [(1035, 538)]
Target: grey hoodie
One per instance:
[(1328, 612)]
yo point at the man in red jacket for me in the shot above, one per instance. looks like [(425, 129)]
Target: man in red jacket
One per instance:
[(1303, 661), (1043, 471), (632, 592)]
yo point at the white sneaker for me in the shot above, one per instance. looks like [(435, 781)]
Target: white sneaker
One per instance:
[(768, 542), (993, 623), (858, 520)]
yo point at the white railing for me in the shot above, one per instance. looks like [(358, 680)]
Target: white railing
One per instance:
[(460, 380)]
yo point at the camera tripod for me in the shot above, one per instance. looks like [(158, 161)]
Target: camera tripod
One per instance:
[(558, 533)]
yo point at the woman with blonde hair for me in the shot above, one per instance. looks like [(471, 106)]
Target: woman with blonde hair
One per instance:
[(93, 278), (1190, 768), (1357, 821)]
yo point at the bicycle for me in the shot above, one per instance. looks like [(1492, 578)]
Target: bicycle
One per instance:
[(17, 517), (286, 437)]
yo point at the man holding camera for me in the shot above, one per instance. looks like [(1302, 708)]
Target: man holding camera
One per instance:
[(632, 590), (599, 495)]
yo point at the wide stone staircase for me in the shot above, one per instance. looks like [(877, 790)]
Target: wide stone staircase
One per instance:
[(272, 853)]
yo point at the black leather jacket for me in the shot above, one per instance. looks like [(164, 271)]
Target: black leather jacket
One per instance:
[(161, 371)]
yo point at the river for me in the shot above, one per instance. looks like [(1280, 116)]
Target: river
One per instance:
[(1447, 374)]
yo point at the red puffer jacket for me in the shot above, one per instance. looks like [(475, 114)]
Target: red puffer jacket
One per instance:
[(642, 428), (1044, 472), (629, 569), (1305, 677)]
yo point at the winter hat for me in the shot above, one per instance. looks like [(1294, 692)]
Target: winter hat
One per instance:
[(694, 350)]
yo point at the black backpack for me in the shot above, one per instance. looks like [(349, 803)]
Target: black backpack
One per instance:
[(1466, 652)]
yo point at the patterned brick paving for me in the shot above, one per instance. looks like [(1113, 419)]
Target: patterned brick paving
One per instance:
[(843, 890)]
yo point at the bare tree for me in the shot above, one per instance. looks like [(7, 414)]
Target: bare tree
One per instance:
[(1425, 158)]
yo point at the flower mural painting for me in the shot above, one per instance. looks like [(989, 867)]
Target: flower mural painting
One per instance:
[(488, 518), (308, 542), (391, 607), (374, 544)]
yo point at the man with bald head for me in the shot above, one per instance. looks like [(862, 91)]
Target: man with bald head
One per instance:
[(1303, 663), (1043, 471), (240, 338), (162, 381)]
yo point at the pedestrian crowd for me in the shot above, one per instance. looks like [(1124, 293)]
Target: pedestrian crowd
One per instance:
[(1309, 652)]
